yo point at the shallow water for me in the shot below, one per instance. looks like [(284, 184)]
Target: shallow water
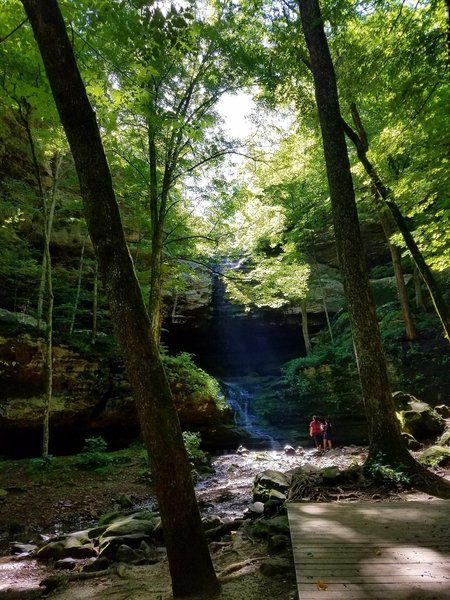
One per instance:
[(228, 492)]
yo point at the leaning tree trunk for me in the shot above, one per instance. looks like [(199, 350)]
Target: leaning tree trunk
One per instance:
[(386, 219), (383, 426), (305, 330), (189, 560), (439, 303)]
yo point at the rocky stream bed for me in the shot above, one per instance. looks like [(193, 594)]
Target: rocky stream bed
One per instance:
[(249, 542)]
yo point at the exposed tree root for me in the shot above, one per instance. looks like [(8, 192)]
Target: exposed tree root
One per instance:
[(420, 478), (425, 481), (307, 487), (56, 581), (230, 572)]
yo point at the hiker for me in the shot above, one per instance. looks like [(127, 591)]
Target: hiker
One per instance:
[(315, 431), (327, 433)]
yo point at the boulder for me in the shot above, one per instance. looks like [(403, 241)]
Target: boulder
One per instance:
[(444, 440), (435, 455), (330, 474), (66, 547), (417, 418), (267, 527), (267, 481), (66, 563), (276, 567), (109, 546)]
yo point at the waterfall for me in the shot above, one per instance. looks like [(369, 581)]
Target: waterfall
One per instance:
[(239, 398)]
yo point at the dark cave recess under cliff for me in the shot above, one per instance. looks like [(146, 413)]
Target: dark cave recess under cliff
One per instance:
[(241, 345)]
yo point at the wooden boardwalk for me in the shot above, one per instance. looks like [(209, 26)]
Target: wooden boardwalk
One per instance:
[(372, 551)]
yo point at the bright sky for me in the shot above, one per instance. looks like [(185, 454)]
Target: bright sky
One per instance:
[(235, 110)]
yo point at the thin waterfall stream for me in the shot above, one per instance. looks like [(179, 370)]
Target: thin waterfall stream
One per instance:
[(239, 398)]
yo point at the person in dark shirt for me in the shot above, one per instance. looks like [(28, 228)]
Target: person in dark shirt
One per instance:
[(327, 433)]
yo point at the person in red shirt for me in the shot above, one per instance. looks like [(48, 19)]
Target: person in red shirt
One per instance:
[(315, 431)]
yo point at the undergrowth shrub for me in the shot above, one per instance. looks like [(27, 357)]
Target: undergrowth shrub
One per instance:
[(94, 455)]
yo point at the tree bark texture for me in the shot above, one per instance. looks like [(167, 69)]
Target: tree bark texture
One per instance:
[(383, 426), (189, 560)]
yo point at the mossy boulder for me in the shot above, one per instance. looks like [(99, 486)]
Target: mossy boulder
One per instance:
[(435, 455), (444, 440), (417, 418), (270, 484)]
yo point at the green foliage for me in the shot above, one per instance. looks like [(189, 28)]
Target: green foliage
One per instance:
[(190, 382), (42, 465), (94, 455), (192, 441), (330, 370), (384, 473)]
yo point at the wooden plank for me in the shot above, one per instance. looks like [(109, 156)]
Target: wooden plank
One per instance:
[(397, 551)]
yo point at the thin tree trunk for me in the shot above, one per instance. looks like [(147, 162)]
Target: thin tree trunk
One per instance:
[(325, 308), (420, 304), (95, 304), (157, 207), (190, 564), (49, 354), (389, 228), (437, 298), (48, 223), (305, 330), (78, 290), (447, 21), (322, 290), (46, 281)]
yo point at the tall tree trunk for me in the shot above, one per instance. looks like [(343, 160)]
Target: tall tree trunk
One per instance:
[(49, 339), (305, 330), (384, 431), (437, 298), (55, 167), (189, 560), (78, 290), (383, 426), (157, 202), (46, 279)]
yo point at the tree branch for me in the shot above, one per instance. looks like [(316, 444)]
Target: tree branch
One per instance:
[(13, 31)]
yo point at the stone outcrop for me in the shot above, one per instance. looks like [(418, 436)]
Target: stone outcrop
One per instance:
[(91, 396)]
